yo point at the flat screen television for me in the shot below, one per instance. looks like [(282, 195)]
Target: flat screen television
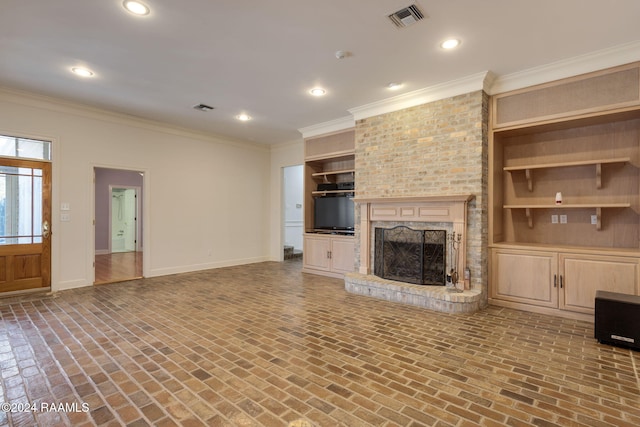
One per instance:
[(333, 213)]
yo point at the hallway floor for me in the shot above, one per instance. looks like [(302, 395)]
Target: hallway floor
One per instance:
[(118, 267), (266, 345)]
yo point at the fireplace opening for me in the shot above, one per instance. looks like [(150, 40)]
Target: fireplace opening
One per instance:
[(412, 256)]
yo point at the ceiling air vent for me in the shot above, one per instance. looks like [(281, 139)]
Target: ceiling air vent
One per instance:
[(407, 16), (203, 107)]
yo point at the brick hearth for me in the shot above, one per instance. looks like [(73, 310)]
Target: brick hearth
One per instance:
[(436, 298)]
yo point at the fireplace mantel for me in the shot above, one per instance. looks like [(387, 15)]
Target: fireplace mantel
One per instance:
[(459, 198), (436, 209), (452, 208)]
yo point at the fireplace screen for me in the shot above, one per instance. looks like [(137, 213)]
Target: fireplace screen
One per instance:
[(412, 256)]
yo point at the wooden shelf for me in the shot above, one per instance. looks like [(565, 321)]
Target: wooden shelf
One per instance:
[(567, 164), (597, 206), (323, 193), (340, 172), (337, 156), (596, 162), (592, 250), (334, 172), (570, 206)]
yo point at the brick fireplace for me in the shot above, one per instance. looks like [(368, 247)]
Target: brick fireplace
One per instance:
[(427, 154), (447, 212)]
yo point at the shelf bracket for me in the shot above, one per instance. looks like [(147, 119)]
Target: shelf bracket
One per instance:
[(529, 215), (598, 175), (599, 219), (528, 175)]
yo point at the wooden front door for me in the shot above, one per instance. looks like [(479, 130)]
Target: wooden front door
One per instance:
[(25, 225)]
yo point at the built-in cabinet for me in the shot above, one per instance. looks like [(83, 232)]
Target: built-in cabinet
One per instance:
[(564, 190), (330, 255), (557, 280), (329, 159)]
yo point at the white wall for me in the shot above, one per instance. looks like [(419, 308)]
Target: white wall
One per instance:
[(206, 199)]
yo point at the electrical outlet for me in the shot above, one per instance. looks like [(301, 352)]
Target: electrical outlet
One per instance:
[(563, 219), (554, 219), (594, 219)]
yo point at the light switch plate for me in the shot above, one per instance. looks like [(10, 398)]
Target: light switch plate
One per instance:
[(554, 219), (594, 219), (563, 219)]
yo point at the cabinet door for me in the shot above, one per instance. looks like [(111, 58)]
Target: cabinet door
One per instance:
[(524, 276), (342, 255), (583, 275), (315, 253)]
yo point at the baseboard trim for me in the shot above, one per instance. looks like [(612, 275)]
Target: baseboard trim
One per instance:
[(205, 266)]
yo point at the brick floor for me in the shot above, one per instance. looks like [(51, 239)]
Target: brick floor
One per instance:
[(265, 345)]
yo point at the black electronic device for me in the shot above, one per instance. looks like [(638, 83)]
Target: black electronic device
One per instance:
[(617, 318), (334, 213), (329, 186), (345, 185)]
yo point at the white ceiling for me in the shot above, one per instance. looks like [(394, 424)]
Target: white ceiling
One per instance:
[(262, 57)]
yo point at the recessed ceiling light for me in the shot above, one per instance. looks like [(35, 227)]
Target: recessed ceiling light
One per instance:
[(243, 117), (450, 44), (136, 7), (82, 72), (341, 54), (318, 91), (394, 86)]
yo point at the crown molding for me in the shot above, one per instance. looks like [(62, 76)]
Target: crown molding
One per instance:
[(423, 96), (60, 105), (594, 61), (336, 125)]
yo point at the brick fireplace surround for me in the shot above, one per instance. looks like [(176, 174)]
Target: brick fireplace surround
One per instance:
[(450, 210), (426, 153)]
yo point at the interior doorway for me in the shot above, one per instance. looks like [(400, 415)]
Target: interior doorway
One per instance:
[(293, 212), (124, 210), (118, 225)]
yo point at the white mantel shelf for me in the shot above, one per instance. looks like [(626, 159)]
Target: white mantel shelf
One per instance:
[(415, 199)]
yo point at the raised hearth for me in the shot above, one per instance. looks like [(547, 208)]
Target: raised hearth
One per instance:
[(435, 298)]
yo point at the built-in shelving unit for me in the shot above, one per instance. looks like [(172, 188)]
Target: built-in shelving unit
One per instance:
[(329, 159), (581, 138)]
